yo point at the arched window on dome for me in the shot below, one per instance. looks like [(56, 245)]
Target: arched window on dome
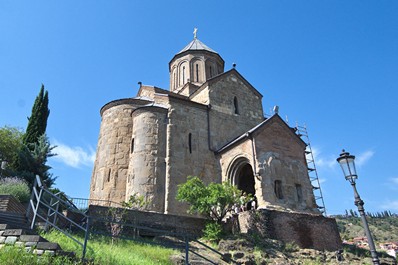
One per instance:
[(236, 107), (183, 75), (197, 72)]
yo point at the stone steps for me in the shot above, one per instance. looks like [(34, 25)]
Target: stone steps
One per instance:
[(30, 241), (14, 220)]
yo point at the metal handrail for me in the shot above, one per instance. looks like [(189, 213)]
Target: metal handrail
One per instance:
[(37, 201)]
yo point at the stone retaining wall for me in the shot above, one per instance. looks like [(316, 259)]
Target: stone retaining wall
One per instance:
[(305, 230), (9, 203), (166, 222)]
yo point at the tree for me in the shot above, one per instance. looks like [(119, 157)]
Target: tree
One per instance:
[(214, 201), (37, 123), (35, 150), (34, 158), (10, 143)]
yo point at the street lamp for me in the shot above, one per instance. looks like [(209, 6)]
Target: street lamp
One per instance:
[(347, 163)]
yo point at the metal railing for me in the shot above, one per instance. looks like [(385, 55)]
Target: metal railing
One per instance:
[(83, 204), (49, 207)]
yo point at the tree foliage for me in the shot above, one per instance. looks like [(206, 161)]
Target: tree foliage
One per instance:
[(10, 143), (34, 160), (213, 201), (37, 123)]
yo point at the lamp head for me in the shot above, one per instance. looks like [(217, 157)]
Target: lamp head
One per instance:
[(347, 163)]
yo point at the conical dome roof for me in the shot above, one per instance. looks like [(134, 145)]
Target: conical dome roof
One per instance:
[(196, 45)]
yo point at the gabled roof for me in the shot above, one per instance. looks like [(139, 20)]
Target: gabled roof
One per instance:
[(218, 77), (196, 45), (255, 129)]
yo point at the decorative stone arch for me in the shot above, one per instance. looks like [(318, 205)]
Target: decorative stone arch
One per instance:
[(174, 77), (240, 173), (183, 73), (211, 68), (197, 66)]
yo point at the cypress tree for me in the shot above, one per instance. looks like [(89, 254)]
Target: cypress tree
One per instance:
[(37, 123), (35, 150)]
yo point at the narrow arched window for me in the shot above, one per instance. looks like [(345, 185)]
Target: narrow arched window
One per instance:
[(278, 189), (183, 75), (211, 72), (197, 73), (132, 146), (190, 142), (236, 109), (109, 175), (299, 192)]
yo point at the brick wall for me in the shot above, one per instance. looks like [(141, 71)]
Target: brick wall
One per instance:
[(305, 230)]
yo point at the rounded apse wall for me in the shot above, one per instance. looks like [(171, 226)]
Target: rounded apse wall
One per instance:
[(146, 171)]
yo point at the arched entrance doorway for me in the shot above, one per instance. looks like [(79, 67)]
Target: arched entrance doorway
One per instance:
[(241, 175)]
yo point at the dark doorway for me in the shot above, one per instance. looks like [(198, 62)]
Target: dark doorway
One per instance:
[(245, 180)]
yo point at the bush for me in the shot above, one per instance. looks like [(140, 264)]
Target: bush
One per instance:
[(16, 187), (213, 231)]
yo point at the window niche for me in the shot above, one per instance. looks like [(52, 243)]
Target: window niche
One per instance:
[(236, 107), (299, 193), (132, 146), (190, 142), (278, 189)]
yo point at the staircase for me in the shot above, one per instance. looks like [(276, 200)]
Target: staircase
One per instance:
[(14, 220), (15, 230)]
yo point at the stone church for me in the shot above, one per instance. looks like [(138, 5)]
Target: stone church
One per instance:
[(210, 123)]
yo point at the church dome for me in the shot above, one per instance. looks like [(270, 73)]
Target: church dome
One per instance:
[(192, 66), (196, 45)]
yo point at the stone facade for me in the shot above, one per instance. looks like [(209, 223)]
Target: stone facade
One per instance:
[(210, 124)]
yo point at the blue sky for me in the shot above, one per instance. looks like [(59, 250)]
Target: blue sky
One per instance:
[(332, 65)]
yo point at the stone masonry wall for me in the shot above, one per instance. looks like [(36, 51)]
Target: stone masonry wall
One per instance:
[(280, 156), (166, 222), (108, 181), (225, 125), (146, 173), (9, 203), (187, 120), (306, 230)]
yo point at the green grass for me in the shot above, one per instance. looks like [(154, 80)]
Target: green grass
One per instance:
[(122, 252), (10, 255), (100, 250)]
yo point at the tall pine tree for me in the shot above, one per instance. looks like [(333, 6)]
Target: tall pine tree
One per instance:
[(37, 124)]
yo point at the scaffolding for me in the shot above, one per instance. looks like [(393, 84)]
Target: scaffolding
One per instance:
[(312, 172)]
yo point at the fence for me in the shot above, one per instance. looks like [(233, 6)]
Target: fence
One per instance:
[(50, 208)]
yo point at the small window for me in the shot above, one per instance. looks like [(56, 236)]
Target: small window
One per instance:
[(109, 175), (211, 72), (278, 189), (132, 146), (236, 109), (190, 142), (197, 73), (183, 75), (299, 192)]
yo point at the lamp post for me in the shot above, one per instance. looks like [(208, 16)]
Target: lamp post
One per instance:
[(347, 164)]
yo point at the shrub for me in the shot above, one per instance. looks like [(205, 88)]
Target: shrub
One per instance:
[(16, 187), (213, 231)]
